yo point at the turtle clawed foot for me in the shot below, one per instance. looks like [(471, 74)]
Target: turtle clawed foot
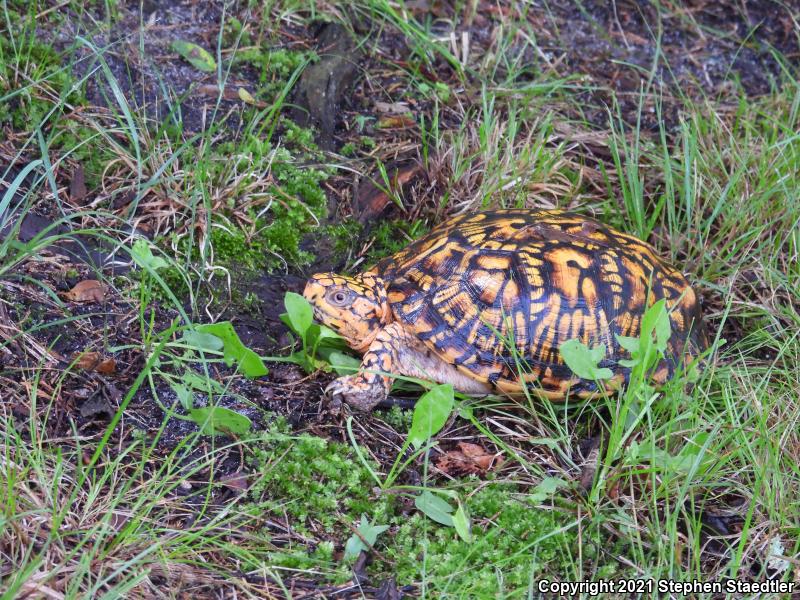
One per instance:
[(355, 391)]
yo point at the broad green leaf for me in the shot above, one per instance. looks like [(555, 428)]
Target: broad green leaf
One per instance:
[(202, 341), (184, 395), (204, 384), (218, 420), (663, 329), (355, 545), (328, 334), (143, 256), (631, 344), (430, 414), (462, 524), (198, 57), (250, 364), (434, 507), (656, 319), (299, 313), (342, 363), (583, 361)]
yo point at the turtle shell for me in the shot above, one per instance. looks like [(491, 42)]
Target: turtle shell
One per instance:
[(497, 293)]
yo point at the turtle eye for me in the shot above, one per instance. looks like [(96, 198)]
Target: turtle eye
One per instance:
[(339, 297)]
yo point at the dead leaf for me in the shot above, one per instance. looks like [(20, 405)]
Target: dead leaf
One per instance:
[(88, 290), (469, 459), (107, 367), (589, 467), (396, 122), (236, 481), (248, 98), (393, 108), (371, 200), (77, 186), (613, 491), (96, 406), (94, 361)]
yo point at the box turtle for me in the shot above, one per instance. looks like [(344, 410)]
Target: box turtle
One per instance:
[(484, 294)]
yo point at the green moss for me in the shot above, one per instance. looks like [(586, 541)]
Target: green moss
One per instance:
[(295, 200), (513, 545), (349, 149), (392, 236), (85, 146), (274, 65), (398, 418), (25, 64), (313, 479), (344, 234)]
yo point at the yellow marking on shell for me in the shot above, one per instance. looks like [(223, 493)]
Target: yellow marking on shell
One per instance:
[(534, 375), (661, 374), (589, 292), (423, 280), (529, 259), (635, 325), (492, 262), (678, 323), (564, 326), (510, 296), (689, 301), (566, 277), (396, 296), (624, 322), (548, 322), (535, 280)]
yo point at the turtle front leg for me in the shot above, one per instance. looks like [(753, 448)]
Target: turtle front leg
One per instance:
[(367, 388)]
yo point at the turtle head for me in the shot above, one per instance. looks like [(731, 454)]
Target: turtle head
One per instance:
[(354, 307)]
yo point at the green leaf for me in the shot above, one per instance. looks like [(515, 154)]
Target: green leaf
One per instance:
[(355, 545), (342, 363), (462, 524), (143, 256), (202, 341), (430, 414), (250, 364), (299, 313), (546, 488), (218, 420), (198, 57), (328, 334), (583, 361), (631, 344), (184, 395), (434, 507), (656, 318), (204, 384), (663, 328)]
